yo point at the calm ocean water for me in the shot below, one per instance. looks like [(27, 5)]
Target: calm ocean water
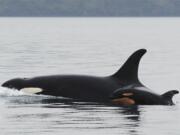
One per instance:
[(95, 46)]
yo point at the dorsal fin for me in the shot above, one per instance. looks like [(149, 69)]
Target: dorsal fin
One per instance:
[(168, 95), (129, 71)]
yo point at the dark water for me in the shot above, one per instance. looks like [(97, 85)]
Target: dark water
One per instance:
[(95, 46)]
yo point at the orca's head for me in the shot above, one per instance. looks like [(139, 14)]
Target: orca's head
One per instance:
[(16, 83), (138, 96)]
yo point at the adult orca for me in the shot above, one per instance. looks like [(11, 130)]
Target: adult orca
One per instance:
[(96, 89)]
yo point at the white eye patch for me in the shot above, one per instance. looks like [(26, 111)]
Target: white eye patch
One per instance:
[(31, 90)]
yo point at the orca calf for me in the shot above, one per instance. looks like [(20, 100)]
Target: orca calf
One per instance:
[(123, 87), (141, 96)]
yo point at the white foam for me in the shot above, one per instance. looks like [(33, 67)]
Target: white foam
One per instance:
[(10, 92)]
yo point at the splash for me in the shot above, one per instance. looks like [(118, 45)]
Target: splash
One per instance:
[(9, 96), (5, 92)]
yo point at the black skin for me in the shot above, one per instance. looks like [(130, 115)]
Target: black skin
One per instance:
[(87, 88), (91, 88), (145, 97)]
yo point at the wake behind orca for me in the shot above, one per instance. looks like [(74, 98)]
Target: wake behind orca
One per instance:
[(123, 87)]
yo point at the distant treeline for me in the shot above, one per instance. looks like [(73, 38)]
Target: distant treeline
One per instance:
[(90, 8)]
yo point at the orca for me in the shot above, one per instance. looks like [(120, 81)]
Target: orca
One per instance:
[(141, 96), (123, 87)]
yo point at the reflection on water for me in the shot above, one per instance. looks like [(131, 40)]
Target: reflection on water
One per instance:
[(31, 114), (60, 114)]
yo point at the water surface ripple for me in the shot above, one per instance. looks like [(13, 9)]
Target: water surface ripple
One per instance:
[(95, 46)]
